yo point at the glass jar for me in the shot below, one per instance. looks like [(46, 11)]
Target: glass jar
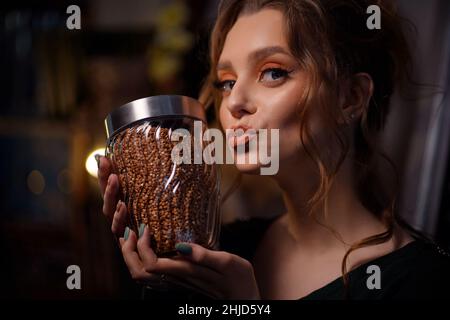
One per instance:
[(178, 202)]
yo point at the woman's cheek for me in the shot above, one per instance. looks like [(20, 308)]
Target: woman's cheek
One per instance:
[(289, 144), (223, 117)]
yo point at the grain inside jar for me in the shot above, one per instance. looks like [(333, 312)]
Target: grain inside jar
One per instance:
[(171, 199)]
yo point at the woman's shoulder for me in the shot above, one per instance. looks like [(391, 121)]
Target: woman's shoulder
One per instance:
[(428, 271), (425, 256), (242, 237), (419, 270)]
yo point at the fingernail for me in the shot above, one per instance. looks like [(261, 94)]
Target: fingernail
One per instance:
[(119, 203), (109, 180), (183, 248), (97, 158), (141, 229), (126, 234)]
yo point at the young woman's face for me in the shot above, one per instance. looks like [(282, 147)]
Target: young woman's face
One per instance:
[(261, 82)]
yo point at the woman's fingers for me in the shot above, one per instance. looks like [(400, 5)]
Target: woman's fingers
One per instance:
[(237, 278), (104, 170), (146, 253), (109, 187), (145, 266), (151, 264), (218, 261), (132, 258), (111, 196), (119, 222), (175, 266)]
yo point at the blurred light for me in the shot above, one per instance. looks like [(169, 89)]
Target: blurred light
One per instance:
[(36, 182), (91, 163)]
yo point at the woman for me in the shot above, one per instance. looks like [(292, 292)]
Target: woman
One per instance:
[(315, 71)]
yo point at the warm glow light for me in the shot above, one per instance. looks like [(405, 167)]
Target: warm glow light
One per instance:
[(36, 182), (91, 164)]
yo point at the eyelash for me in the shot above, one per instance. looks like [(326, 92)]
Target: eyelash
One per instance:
[(219, 85)]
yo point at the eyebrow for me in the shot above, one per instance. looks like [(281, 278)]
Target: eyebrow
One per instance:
[(255, 56)]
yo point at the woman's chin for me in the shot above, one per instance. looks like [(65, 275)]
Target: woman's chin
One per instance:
[(249, 168), (249, 162)]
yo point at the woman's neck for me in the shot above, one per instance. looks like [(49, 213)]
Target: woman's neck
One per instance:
[(347, 220)]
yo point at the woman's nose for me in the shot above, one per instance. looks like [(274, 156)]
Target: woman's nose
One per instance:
[(239, 103)]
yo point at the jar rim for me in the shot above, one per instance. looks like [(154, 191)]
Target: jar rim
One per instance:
[(153, 107)]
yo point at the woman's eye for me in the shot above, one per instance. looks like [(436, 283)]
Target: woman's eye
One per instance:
[(273, 74), (225, 85), (268, 75)]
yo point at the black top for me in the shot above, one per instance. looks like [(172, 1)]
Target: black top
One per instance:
[(419, 270)]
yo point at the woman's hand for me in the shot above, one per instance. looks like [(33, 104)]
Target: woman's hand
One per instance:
[(216, 273), (109, 188)]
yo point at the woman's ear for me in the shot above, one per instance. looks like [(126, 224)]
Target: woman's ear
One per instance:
[(359, 90)]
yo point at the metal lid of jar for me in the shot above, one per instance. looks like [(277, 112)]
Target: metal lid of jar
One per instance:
[(153, 107)]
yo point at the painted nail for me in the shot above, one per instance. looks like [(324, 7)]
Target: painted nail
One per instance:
[(183, 248), (126, 234), (97, 158), (141, 229)]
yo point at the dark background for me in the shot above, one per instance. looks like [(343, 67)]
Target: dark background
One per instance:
[(58, 85)]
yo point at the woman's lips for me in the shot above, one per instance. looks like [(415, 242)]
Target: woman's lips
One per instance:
[(241, 135)]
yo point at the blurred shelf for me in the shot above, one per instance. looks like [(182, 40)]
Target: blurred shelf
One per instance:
[(19, 126)]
